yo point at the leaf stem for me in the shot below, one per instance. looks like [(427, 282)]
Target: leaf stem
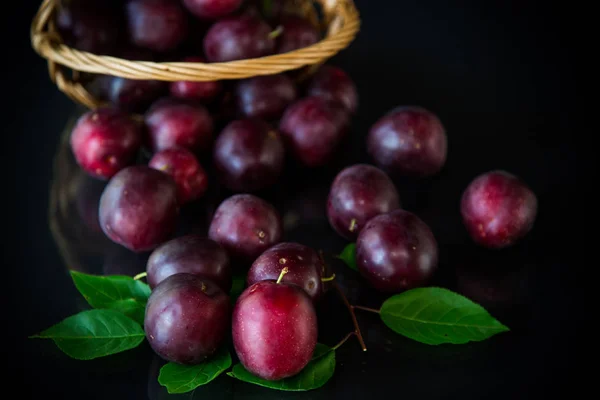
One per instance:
[(354, 321), (343, 340), (284, 271), (328, 279), (367, 309), (140, 276)]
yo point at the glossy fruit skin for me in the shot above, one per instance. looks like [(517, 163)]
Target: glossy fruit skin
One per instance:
[(184, 168), (248, 155), (187, 318), (396, 251), (212, 9), (298, 33), (158, 25), (192, 254), (138, 208), (238, 38), (312, 128), (203, 92), (266, 96), (334, 84), (104, 141), (498, 209), (408, 141), (246, 225), (274, 329), (174, 123), (305, 268), (358, 193), (92, 26)]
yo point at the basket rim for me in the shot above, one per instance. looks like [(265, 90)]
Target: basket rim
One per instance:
[(341, 12)]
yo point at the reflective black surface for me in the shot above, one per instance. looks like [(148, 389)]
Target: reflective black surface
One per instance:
[(501, 78)]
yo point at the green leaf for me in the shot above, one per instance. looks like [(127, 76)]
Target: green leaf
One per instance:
[(316, 373), (115, 292), (348, 255), (94, 333), (435, 315), (237, 287), (179, 378)]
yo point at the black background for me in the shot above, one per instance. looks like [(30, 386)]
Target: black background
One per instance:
[(503, 77)]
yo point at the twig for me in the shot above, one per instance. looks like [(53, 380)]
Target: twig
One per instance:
[(366, 309), (354, 321), (343, 340)]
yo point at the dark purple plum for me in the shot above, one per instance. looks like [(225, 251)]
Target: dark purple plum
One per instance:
[(274, 328), (265, 96), (104, 141), (357, 194), (408, 141), (184, 168), (138, 208), (312, 128), (305, 268), (158, 25), (297, 33), (396, 251), (198, 91), (92, 26), (238, 38), (248, 155), (187, 318), (192, 254), (498, 209), (176, 123), (212, 9), (246, 226), (334, 84)]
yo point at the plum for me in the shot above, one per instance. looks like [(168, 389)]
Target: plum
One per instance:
[(358, 193), (212, 9), (104, 141), (274, 328), (297, 33), (192, 254), (265, 96), (498, 209), (198, 91), (138, 208), (187, 318), (396, 251), (334, 84), (305, 267)]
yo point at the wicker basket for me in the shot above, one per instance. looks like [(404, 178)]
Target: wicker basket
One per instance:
[(340, 24)]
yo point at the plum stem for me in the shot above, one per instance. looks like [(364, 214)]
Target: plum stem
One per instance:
[(343, 340), (140, 276), (328, 279), (367, 309), (354, 321), (278, 31), (284, 271)]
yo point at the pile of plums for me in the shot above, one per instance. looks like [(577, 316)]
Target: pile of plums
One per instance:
[(268, 120)]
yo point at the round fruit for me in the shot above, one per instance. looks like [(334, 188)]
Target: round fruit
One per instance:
[(212, 9), (174, 123), (305, 268), (138, 208), (274, 329), (313, 128), (248, 155), (396, 251), (190, 254), (197, 91), (265, 96), (297, 33), (498, 209), (334, 84), (237, 38), (187, 318), (184, 168), (408, 141), (158, 25), (104, 141), (246, 226), (359, 193)]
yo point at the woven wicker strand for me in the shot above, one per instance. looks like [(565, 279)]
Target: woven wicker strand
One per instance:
[(341, 17)]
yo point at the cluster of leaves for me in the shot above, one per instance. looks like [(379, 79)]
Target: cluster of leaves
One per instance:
[(115, 324)]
